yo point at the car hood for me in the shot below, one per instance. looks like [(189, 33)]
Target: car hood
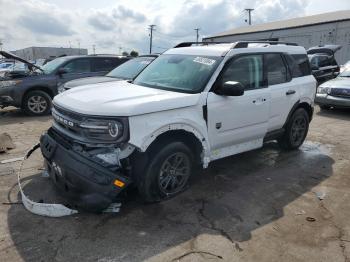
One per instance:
[(339, 82), (120, 98), (89, 80)]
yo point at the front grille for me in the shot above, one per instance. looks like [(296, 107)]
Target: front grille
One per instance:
[(67, 113), (340, 92)]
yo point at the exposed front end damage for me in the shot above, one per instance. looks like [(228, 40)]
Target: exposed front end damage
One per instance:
[(90, 177)]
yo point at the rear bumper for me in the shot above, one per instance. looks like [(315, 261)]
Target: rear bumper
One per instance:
[(328, 100), (84, 183)]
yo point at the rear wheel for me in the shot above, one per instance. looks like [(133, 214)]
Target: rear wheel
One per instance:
[(296, 130), (37, 103), (167, 172)]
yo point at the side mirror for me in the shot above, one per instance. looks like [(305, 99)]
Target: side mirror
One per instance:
[(231, 88), (61, 71)]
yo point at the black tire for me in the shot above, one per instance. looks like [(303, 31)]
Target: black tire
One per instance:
[(37, 103), (296, 130), (325, 107), (153, 184)]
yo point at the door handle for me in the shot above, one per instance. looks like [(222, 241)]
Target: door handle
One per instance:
[(290, 92), (259, 100)]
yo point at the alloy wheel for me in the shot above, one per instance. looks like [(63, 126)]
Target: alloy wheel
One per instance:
[(174, 173)]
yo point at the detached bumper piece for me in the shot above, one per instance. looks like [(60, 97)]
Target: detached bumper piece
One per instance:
[(84, 183), (42, 209)]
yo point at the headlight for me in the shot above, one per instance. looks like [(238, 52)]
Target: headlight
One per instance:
[(323, 90), (9, 83), (107, 130)]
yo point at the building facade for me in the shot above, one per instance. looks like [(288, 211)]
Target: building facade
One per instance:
[(322, 29), (34, 53)]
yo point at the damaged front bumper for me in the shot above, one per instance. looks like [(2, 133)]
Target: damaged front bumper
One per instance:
[(83, 181)]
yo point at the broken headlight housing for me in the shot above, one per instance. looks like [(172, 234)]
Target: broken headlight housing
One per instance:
[(103, 129)]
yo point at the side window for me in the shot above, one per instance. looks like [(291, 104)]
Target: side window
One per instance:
[(248, 70), (105, 64), (276, 69), (293, 66), (78, 66), (303, 63)]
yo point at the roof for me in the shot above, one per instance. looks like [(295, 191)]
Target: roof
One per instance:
[(290, 23)]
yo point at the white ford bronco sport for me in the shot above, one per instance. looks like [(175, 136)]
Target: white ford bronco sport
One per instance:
[(192, 105)]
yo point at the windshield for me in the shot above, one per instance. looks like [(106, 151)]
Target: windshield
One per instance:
[(131, 68), (181, 73), (345, 73), (53, 65)]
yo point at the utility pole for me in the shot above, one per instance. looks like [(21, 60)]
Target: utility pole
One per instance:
[(197, 34), (1, 44), (249, 10), (151, 28), (94, 49), (120, 50), (78, 46)]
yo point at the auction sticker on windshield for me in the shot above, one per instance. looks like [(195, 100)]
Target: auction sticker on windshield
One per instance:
[(204, 60)]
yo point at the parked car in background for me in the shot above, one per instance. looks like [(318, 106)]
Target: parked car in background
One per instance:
[(34, 90), (15, 70), (5, 65), (126, 71), (323, 63), (335, 92), (345, 66), (193, 104)]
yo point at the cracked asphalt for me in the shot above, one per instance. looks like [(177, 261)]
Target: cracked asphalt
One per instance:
[(264, 205)]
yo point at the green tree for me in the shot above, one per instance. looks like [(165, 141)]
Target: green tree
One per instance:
[(125, 53), (134, 53)]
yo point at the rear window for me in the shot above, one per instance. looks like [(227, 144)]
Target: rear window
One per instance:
[(299, 65), (106, 64)]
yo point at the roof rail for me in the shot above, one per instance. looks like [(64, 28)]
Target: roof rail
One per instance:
[(187, 44), (244, 44)]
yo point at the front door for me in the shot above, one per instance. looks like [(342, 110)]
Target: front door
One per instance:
[(77, 68), (239, 123)]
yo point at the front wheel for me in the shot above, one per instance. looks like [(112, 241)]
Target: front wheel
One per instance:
[(167, 173), (37, 103), (296, 130)]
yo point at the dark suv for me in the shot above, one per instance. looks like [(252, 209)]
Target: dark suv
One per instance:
[(323, 64), (34, 90)]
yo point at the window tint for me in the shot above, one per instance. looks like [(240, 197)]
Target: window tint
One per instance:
[(303, 63), (78, 66), (276, 69), (105, 64), (293, 66), (247, 70)]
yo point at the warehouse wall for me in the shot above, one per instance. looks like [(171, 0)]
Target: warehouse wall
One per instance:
[(330, 33), (33, 53)]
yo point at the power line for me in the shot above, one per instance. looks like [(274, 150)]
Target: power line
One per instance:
[(151, 28), (249, 10)]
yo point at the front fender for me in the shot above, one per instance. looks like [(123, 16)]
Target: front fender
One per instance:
[(145, 130)]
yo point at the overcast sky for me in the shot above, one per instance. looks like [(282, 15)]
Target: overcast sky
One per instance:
[(111, 24)]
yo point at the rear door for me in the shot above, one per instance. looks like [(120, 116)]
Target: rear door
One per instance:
[(284, 91), (76, 68)]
